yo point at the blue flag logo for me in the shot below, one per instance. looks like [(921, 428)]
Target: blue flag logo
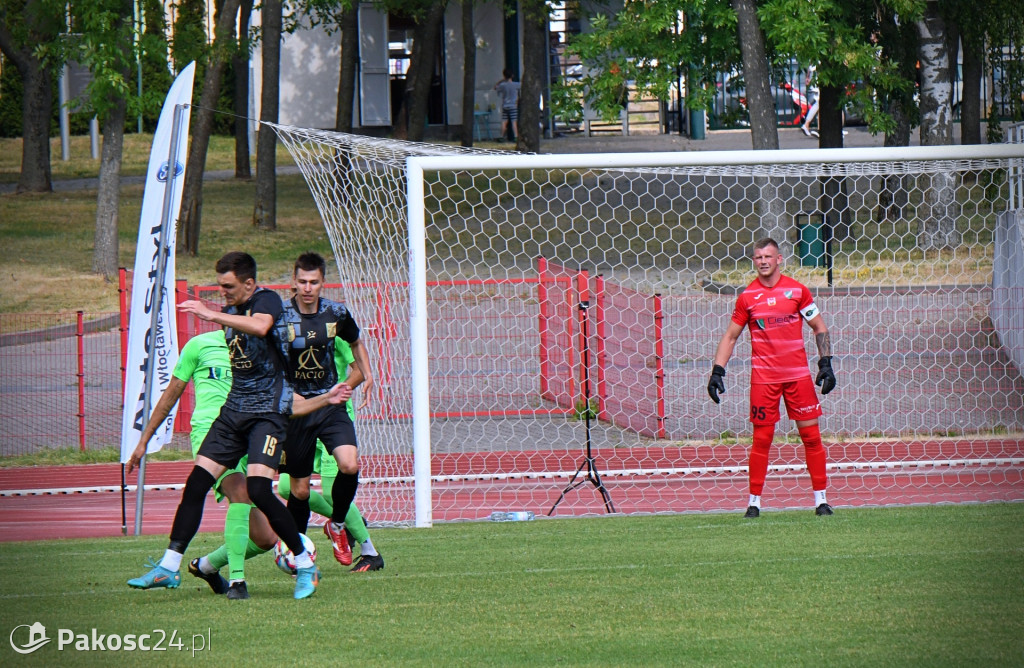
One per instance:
[(161, 174)]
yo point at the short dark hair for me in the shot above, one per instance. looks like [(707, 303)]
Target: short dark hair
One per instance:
[(765, 243), (241, 264), (507, 73), (311, 262)]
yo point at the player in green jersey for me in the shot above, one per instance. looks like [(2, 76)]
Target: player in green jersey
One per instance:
[(204, 361)]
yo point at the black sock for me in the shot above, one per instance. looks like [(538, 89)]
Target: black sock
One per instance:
[(189, 515), (299, 509), (261, 491), (342, 493)]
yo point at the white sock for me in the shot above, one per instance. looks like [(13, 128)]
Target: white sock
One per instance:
[(206, 567), (234, 582), (819, 497), (171, 560), (303, 560), (755, 501), (367, 548)]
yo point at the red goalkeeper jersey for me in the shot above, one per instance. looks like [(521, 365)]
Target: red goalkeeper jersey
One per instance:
[(775, 317)]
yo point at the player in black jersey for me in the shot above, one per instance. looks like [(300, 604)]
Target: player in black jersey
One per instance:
[(313, 322), (253, 420)]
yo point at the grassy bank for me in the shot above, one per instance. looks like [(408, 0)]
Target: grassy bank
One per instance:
[(46, 240)]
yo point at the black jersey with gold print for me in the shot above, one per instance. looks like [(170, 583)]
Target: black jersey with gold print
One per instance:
[(311, 367), (258, 380)]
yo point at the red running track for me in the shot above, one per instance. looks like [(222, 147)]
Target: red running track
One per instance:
[(91, 514)]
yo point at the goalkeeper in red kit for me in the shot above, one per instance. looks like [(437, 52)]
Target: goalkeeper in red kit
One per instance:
[(774, 307)]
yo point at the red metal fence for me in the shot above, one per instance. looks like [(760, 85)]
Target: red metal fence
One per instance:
[(63, 381)]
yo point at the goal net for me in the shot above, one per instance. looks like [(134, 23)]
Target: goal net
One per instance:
[(542, 327)]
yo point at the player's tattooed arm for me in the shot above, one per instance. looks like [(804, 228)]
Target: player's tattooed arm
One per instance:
[(824, 343)]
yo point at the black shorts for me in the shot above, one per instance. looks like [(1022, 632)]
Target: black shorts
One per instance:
[(234, 435), (332, 425)]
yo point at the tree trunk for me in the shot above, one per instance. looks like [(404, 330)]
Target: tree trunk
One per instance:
[(899, 46), (264, 215), (468, 73), (937, 212), (834, 205), (104, 254), (764, 131), (349, 23), (936, 80), (37, 100), (192, 190), (830, 116), (240, 66), (970, 92), (412, 115), (535, 74), (36, 112), (108, 196)]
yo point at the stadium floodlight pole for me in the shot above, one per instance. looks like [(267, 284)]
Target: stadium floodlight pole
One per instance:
[(418, 343), (588, 460), (166, 225)]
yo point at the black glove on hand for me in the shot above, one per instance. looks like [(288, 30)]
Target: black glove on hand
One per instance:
[(826, 378), (716, 384)]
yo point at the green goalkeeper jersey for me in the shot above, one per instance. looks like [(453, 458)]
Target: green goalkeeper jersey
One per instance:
[(204, 360)]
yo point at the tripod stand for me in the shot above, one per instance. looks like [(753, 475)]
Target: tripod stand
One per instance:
[(592, 476)]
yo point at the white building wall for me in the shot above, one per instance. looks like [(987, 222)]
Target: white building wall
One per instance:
[(310, 62), (488, 25)]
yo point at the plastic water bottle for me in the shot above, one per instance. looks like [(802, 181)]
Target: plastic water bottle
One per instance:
[(512, 516)]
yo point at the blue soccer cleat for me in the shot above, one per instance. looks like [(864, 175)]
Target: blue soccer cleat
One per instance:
[(306, 581), (157, 577)]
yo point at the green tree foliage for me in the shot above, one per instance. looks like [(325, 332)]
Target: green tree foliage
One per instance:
[(104, 42), (840, 37), (649, 44), (1003, 23), (11, 95), (156, 74), (190, 41)]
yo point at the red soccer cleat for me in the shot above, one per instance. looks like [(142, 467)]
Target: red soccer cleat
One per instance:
[(339, 541)]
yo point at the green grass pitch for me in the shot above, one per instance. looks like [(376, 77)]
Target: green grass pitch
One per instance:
[(927, 586)]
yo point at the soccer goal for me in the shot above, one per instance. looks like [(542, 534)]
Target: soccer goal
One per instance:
[(526, 310)]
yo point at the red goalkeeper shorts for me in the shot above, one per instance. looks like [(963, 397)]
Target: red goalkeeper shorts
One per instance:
[(801, 401)]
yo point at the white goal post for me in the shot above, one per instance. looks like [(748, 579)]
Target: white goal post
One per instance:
[(484, 280)]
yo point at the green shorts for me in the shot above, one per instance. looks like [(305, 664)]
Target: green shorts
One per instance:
[(324, 464), (196, 438)]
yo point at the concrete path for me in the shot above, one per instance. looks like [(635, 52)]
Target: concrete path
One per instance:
[(717, 140)]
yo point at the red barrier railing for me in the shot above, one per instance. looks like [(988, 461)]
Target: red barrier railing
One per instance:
[(546, 313)]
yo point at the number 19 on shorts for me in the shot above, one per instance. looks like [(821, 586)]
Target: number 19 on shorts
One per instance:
[(269, 446)]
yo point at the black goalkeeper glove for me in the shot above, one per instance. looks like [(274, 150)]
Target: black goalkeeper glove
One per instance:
[(716, 384), (826, 378)]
